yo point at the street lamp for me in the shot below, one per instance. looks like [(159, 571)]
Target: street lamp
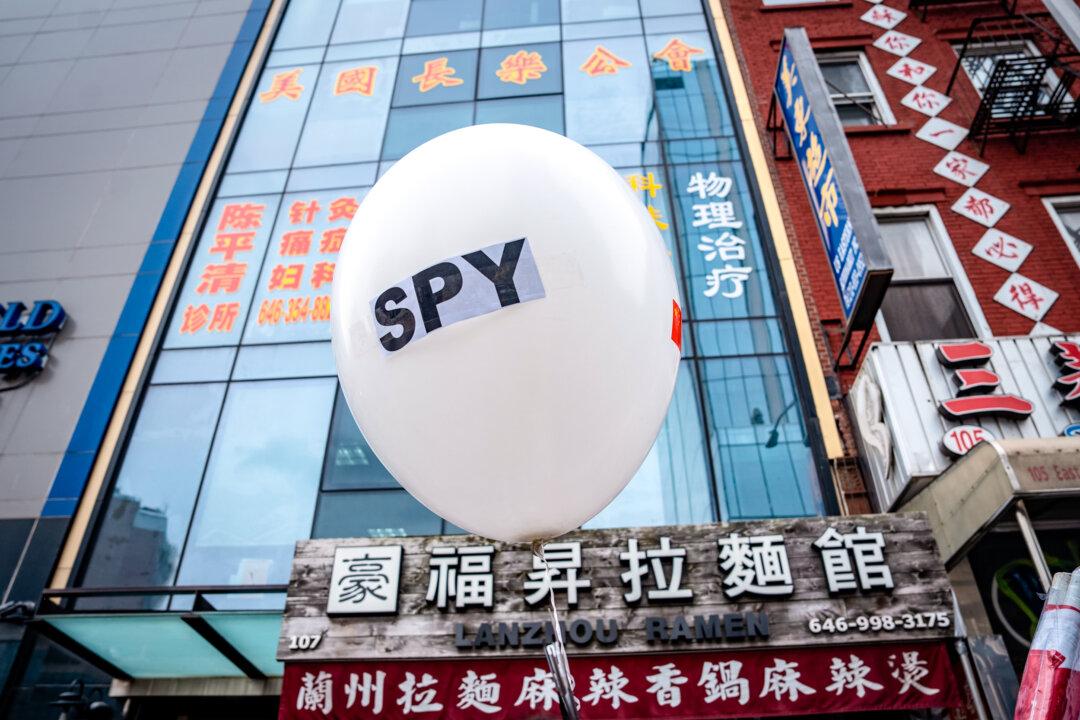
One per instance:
[(76, 706)]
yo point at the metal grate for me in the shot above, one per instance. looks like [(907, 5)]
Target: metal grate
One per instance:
[(1028, 74)]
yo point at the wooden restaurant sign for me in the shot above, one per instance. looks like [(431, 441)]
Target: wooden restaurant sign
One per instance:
[(690, 621)]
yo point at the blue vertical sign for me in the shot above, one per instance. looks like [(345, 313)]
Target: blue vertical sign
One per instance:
[(844, 218)]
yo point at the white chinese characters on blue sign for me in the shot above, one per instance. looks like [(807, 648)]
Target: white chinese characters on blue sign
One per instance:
[(816, 167)]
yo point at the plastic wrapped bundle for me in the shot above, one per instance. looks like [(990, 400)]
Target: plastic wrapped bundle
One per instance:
[(1050, 689)]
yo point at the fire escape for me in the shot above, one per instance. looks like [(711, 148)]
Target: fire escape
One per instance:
[(1027, 71)]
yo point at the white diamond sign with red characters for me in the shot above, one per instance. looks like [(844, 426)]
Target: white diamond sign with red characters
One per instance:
[(927, 101), (883, 16), (1002, 249), (981, 207), (944, 134), (911, 71), (1026, 297), (1042, 328), (960, 168), (897, 43)]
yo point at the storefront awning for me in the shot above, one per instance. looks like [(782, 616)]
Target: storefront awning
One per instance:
[(964, 501), (136, 645)]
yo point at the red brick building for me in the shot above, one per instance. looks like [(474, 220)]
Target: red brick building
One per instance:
[(954, 273)]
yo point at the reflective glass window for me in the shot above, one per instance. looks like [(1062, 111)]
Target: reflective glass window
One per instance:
[(274, 118), (292, 298), (348, 113), (725, 338), (520, 70), (758, 440), (146, 518), (608, 91), (650, 8), (306, 25), (585, 10), (216, 294), (544, 111), (414, 126), (438, 17), (520, 13), (436, 78), (350, 462), (350, 87), (374, 513), (365, 20), (258, 494), (672, 485), (724, 260)]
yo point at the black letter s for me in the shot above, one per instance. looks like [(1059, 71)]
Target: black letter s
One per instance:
[(392, 318)]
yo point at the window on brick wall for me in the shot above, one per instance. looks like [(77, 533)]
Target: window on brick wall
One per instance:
[(980, 59), (929, 297), (1065, 212), (853, 89)]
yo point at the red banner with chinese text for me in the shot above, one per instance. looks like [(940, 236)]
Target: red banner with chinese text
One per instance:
[(686, 685)]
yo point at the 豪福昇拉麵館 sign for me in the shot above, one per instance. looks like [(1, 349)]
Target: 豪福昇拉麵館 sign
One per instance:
[(799, 582)]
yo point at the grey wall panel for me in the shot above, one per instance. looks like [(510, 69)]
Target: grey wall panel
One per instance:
[(99, 102)]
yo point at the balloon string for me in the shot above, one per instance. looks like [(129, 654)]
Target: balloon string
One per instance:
[(551, 596), (567, 702)]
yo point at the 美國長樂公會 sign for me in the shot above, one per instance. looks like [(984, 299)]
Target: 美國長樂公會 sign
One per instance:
[(859, 266)]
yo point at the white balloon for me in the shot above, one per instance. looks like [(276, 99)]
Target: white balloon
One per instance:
[(524, 422)]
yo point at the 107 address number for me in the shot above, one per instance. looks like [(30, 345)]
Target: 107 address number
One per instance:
[(879, 623)]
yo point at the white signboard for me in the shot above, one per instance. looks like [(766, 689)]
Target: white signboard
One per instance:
[(1026, 296), (944, 134), (981, 207), (897, 43), (364, 580), (960, 168), (924, 100), (883, 17), (1002, 249)]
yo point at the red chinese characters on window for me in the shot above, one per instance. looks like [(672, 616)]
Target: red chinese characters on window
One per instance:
[(229, 244), (296, 242), (286, 277), (322, 274), (224, 317), (603, 62), (437, 73), (359, 80), (331, 240), (290, 277), (1067, 356), (303, 213), (521, 67), (235, 237), (975, 386), (284, 85), (678, 55), (220, 319), (241, 216), (223, 278), (342, 209), (195, 317)]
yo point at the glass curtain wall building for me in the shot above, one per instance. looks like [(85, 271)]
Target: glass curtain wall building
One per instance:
[(242, 442)]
